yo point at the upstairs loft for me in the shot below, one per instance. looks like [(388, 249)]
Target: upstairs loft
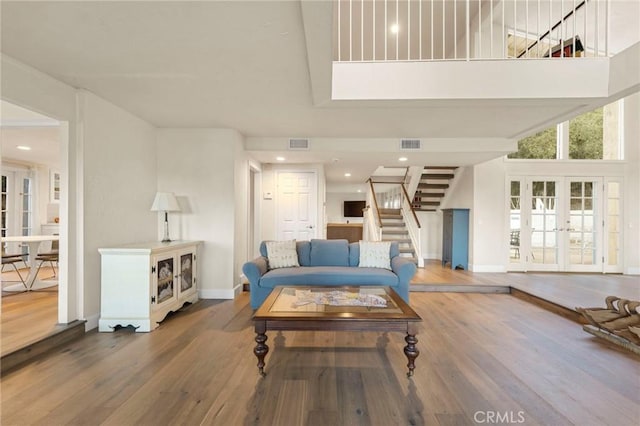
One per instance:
[(545, 60)]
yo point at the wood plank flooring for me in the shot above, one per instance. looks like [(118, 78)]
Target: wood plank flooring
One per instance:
[(27, 317), (564, 289), (480, 354)]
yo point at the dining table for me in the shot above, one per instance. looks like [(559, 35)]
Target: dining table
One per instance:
[(32, 282)]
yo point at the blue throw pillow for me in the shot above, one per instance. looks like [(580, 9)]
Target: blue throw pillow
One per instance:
[(329, 253)]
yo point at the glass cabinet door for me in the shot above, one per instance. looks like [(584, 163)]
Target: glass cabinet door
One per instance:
[(187, 272), (165, 269)]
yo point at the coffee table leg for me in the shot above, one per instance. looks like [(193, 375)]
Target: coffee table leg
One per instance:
[(411, 352), (261, 348)]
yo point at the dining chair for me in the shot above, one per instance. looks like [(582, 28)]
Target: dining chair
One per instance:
[(12, 259), (50, 256)]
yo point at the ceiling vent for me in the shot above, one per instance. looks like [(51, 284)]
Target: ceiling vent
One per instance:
[(410, 144), (299, 144)]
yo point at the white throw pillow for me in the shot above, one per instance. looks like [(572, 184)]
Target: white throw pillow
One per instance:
[(282, 254), (375, 254)]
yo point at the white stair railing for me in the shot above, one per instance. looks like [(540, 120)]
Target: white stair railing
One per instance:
[(429, 30), (413, 226)]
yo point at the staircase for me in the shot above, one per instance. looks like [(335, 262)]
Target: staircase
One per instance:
[(394, 229), (432, 188)]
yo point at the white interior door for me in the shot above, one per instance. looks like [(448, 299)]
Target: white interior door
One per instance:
[(297, 205)]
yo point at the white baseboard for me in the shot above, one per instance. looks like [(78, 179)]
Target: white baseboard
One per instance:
[(632, 271), (230, 294), (487, 268), (92, 322)]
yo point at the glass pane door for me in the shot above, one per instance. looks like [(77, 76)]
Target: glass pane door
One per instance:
[(583, 225), (543, 224)]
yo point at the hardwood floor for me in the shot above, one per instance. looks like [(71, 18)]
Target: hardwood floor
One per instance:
[(567, 290), (480, 355), (27, 317)]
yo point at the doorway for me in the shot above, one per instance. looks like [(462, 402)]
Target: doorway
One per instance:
[(297, 205), (568, 224), (32, 176)]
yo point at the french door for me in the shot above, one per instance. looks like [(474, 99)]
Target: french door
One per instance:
[(564, 224)]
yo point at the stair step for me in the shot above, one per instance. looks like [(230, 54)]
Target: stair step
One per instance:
[(407, 250), (437, 176), (390, 216), (431, 194), (425, 210), (426, 203), (433, 185), (398, 240), (61, 335), (402, 232), (389, 211), (411, 258), (392, 224)]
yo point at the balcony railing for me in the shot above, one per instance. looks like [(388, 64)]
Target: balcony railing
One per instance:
[(430, 30)]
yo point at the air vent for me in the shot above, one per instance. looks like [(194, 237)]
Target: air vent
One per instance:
[(298, 143), (410, 144)]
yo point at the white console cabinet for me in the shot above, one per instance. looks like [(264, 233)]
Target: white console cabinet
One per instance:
[(142, 283)]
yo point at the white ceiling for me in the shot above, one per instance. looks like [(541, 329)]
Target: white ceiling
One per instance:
[(261, 67)]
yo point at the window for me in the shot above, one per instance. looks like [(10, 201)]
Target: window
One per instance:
[(540, 146), (594, 135)]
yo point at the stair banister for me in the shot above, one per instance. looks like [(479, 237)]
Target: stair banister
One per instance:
[(375, 203), (404, 191)]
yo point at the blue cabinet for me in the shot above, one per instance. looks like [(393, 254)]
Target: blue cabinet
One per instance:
[(455, 238)]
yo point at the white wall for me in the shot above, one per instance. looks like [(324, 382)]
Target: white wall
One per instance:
[(268, 209), (199, 166), (430, 234), (488, 250), (119, 185), (241, 206)]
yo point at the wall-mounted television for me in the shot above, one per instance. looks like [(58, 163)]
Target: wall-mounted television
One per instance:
[(353, 208)]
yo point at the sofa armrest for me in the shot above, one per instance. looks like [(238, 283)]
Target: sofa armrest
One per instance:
[(255, 269), (405, 269)]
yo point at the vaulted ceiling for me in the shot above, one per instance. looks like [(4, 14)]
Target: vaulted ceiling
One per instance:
[(261, 67)]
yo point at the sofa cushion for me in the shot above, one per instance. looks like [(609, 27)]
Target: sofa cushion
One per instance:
[(304, 252), (302, 247), (282, 254), (354, 252), (329, 253), (375, 254), (329, 275)]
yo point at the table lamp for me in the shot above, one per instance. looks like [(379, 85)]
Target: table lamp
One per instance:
[(165, 202)]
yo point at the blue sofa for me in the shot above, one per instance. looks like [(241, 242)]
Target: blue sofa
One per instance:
[(327, 263)]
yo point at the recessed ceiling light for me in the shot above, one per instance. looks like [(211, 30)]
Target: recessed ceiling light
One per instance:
[(23, 148), (280, 158), (402, 159), (359, 190), (394, 28), (347, 175)]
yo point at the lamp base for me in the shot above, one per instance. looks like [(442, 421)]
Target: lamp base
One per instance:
[(166, 238)]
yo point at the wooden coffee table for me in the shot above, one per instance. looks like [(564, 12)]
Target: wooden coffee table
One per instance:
[(281, 312)]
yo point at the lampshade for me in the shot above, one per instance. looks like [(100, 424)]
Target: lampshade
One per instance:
[(165, 202)]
